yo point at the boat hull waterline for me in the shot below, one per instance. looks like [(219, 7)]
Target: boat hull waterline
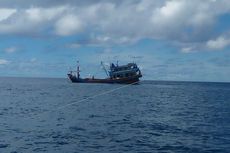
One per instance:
[(129, 80)]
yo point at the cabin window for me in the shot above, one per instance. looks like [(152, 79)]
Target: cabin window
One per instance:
[(120, 75)]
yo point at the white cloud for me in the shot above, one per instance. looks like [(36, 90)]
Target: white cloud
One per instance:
[(68, 25), (219, 43), (5, 13), (171, 9), (33, 60), (4, 62), (44, 14), (116, 21), (30, 21), (11, 49), (187, 49)]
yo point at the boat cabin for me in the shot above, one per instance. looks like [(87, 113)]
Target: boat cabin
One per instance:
[(124, 71)]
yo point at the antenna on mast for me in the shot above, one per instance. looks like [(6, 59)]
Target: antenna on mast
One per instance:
[(135, 58)]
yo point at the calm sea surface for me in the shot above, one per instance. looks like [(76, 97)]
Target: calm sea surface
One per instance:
[(36, 116)]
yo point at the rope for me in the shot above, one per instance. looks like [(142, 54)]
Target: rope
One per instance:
[(94, 96), (16, 143), (85, 99)]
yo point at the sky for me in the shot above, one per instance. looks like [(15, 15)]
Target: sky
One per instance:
[(180, 40)]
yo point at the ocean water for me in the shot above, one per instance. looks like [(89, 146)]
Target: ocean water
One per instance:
[(49, 115)]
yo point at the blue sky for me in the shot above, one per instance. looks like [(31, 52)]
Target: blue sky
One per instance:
[(180, 40)]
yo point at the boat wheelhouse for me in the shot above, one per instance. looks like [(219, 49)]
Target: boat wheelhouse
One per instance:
[(124, 71)]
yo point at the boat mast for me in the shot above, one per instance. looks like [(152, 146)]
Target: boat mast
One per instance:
[(78, 70), (103, 66)]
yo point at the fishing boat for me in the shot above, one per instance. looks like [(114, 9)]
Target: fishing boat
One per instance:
[(123, 74)]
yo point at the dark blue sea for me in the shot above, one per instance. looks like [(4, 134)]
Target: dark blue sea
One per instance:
[(56, 116)]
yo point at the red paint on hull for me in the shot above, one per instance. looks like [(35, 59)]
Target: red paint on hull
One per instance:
[(128, 80)]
